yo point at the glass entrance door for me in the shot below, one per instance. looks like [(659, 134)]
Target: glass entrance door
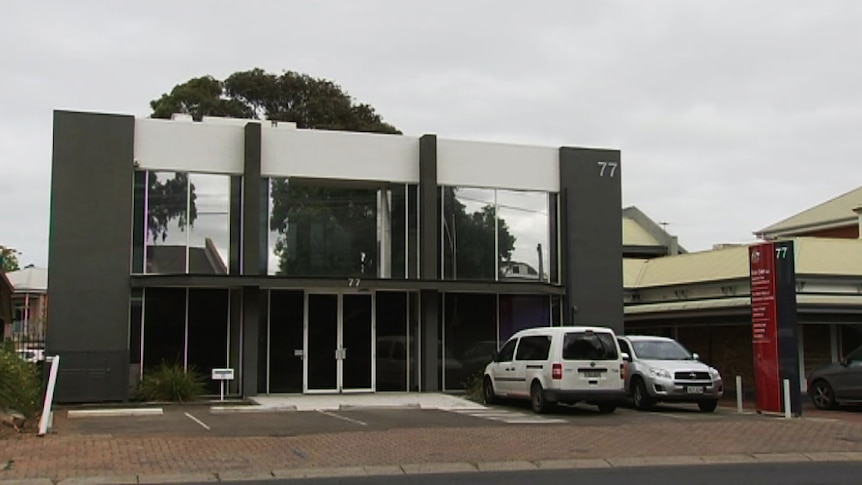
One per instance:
[(357, 334), (321, 345), (339, 337)]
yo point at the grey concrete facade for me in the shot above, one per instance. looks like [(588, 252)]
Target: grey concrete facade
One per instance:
[(91, 253), (591, 195)]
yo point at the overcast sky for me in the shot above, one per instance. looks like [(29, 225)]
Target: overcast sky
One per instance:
[(730, 115)]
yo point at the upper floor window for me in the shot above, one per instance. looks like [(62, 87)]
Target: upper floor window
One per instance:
[(182, 223), (341, 228), (496, 234)]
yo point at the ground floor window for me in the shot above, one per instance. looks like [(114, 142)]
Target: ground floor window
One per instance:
[(310, 341), (182, 326)]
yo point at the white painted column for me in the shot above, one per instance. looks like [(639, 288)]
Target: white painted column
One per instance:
[(384, 233)]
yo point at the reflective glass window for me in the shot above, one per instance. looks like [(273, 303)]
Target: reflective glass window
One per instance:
[(468, 229), (523, 235), (338, 228), (167, 208), (209, 234)]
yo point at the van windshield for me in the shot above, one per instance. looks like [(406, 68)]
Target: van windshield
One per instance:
[(589, 346)]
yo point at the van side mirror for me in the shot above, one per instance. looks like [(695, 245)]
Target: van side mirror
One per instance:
[(626, 357), (695, 356)]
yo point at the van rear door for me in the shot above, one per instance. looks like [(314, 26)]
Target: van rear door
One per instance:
[(591, 361)]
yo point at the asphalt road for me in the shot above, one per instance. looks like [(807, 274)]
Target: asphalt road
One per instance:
[(754, 474), (199, 421)]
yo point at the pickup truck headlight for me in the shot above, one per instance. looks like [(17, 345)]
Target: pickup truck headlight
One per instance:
[(664, 374)]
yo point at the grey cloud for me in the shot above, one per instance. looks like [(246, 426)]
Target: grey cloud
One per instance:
[(730, 115)]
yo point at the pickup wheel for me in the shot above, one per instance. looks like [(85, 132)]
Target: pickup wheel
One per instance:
[(488, 391), (640, 397), (537, 398)]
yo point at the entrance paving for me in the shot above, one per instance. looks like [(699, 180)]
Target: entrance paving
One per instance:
[(385, 439)]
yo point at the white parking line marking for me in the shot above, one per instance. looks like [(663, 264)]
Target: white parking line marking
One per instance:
[(509, 417), (196, 420), (355, 421)]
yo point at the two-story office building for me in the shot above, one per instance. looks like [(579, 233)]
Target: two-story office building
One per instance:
[(315, 261)]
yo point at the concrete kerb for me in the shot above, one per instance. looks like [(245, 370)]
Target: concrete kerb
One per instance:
[(119, 412), (364, 407), (250, 409), (459, 467)]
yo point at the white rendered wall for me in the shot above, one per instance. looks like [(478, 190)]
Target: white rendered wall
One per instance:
[(339, 155), (479, 164), (185, 146)]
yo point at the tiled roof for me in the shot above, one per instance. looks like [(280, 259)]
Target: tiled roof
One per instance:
[(814, 256), (834, 212), (635, 235), (32, 279)]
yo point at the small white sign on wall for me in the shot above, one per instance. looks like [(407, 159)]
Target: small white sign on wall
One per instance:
[(222, 375)]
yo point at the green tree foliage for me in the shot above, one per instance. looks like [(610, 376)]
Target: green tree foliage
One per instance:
[(346, 217), (20, 387), (472, 236), (171, 382), (168, 201), (8, 259)]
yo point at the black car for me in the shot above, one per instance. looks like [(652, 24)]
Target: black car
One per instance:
[(837, 383)]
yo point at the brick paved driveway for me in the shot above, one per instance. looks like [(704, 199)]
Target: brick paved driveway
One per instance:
[(174, 443)]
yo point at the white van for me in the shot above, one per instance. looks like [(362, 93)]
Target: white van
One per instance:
[(551, 365)]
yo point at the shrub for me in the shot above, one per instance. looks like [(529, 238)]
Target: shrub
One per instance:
[(20, 386), (473, 387), (170, 382)]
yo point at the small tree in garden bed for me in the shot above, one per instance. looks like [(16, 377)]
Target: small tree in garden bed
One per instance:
[(20, 386), (170, 382)]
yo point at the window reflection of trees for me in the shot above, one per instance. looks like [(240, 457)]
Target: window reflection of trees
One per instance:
[(169, 201), (187, 222), (472, 217), (339, 228), (526, 215)]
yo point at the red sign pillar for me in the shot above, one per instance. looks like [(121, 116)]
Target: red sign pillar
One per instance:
[(774, 326)]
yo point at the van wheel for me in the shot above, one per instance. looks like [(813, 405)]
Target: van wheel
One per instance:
[(708, 406), (537, 398), (640, 397), (488, 391)]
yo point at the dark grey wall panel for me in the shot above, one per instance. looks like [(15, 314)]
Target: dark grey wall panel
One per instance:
[(251, 202), (430, 307), (429, 210), (251, 315), (591, 216), (89, 255)]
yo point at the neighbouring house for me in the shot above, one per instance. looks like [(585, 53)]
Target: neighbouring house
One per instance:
[(703, 298), (5, 307), (644, 238), (29, 305), (836, 218)]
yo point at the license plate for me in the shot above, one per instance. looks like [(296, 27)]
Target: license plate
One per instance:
[(694, 389), (592, 373)]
